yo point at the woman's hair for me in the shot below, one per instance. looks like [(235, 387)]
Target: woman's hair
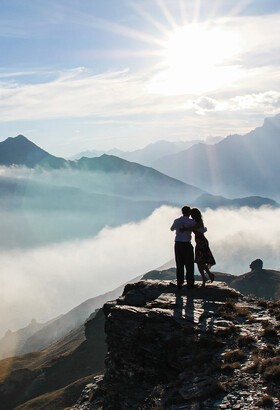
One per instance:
[(196, 215)]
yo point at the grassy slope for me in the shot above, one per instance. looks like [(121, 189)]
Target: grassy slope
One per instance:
[(37, 360), (58, 399), (54, 373)]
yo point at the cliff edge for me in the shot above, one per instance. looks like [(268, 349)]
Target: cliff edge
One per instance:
[(209, 347)]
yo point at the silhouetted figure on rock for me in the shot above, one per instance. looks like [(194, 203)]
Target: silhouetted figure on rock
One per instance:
[(256, 265), (183, 248), (203, 255), (184, 255)]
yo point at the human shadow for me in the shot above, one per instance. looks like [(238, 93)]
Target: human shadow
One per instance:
[(184, 308)]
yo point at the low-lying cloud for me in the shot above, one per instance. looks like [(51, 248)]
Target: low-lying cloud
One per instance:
[(50, 280)]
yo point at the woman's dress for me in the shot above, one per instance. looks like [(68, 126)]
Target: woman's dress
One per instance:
[(203, 253)]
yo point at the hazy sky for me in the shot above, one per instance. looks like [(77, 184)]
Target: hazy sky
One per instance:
[(102, 74), (75, 271)]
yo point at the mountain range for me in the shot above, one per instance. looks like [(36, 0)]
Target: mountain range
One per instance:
[(45, 199), (236, 166), (107, 174), (104, 175), (152, 152)]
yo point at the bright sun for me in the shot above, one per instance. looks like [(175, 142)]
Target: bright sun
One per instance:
[(197, 59)]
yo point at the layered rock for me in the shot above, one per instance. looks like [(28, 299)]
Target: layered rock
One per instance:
[(170, 349)]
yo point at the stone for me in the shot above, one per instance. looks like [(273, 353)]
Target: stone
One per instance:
[(165, 350)]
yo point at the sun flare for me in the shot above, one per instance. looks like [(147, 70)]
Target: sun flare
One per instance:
[(196, 59)]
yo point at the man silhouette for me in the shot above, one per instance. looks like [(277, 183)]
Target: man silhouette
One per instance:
[(183, 248)]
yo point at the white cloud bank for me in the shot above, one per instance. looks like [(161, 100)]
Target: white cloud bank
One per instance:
[(48, 281), (77, 94)]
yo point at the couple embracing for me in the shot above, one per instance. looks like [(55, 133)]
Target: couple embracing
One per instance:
[(184, 255)]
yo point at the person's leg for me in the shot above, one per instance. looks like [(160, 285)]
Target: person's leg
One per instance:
[(179, 263), (201, 269), (210, 274), (189, 263)]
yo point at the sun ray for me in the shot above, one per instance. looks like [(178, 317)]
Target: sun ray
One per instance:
[(239, 7), (167, 14), (123, 31), (184, 18), (196, 11), (148, 17), (107, 25), (214, 9)]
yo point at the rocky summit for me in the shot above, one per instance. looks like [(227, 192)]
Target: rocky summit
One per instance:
[(205, 348)]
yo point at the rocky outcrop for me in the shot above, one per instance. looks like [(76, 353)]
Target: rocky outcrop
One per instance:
[(259, 282), (202, 348)]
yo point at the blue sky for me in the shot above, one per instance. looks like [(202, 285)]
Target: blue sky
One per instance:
[(78, 75)]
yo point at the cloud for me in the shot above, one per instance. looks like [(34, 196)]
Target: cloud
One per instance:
[(239, 236), (47, 281), (77, 93), (50, 280), (268, 102), (203, 104), (259, 36)]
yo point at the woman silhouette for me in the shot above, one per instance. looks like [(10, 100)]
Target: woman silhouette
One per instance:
[(203, 255)]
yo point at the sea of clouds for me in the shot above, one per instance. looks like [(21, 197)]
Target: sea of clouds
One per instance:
[(46, 281)]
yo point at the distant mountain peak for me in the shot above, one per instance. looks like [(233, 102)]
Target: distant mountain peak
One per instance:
[(20, 137), (20, 150)]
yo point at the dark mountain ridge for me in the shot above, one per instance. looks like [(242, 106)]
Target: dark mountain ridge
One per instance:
[(11, 342), (217, 201), (20, 151), (111, 174)]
